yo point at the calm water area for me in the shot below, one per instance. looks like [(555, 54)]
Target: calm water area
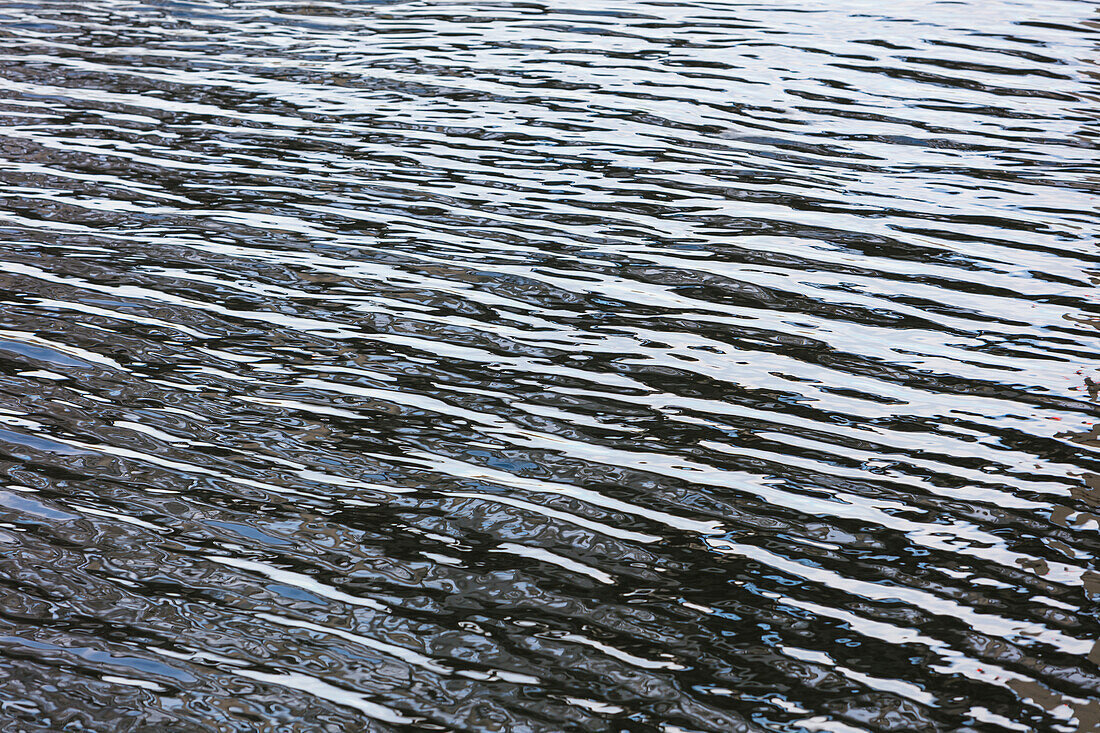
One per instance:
[(538, 366)]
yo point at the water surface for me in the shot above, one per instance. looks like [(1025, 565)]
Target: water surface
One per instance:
[(549, 366)]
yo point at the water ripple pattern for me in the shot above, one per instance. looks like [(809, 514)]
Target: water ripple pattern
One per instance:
[(527, 366)]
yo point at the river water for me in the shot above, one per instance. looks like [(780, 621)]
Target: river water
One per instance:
[(537, 366)]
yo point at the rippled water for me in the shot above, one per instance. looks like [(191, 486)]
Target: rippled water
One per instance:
[(569, 366)]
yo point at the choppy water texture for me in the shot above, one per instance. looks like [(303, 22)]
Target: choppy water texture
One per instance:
[(568, 366)]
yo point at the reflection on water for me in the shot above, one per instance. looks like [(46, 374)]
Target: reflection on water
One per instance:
[(511, 366)]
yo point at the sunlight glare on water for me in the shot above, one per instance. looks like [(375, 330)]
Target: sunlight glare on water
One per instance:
[(638, 366)]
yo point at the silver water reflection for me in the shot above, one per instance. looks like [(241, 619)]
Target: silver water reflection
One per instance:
[(493, 366)]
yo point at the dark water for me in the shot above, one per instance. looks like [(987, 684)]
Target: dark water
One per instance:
[(513, 366)]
